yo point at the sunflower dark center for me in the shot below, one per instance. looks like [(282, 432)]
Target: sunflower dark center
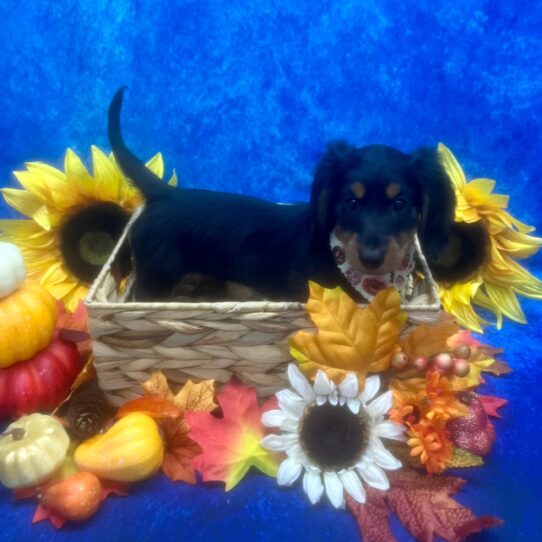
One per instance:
[(332, 436), (88, 237)]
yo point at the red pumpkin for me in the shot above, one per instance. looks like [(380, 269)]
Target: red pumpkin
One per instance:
[(40, 383)]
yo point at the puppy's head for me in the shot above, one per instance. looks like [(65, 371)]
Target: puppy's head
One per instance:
[(376, 199)]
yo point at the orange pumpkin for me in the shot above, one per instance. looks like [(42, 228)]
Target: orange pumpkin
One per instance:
[(27, 322), (76, 497)]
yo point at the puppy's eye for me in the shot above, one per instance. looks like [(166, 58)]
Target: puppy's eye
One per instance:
[(399, 204), (351, 203)]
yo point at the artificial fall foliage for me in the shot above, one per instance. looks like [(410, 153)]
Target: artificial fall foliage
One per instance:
[(170, 410), (426, 340), (231, 444), (422, 504), (195, 397), (73, 327), (155, 407), (43, 513), (349, 338), (491, 404)]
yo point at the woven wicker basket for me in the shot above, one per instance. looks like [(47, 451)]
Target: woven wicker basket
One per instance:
[(193, 340)]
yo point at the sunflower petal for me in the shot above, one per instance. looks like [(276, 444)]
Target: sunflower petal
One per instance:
[(382, 457), (372, 385), (334, 489), (291, 402), (313, 486), (353, 486), (349, 386), (300, 383), (391, 430), (452, 167), (276, 443), (322, 384), (21, 200), (289, 472), (381, 405), (374, 476)]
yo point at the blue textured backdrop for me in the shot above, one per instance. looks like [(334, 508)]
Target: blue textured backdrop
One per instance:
[(242, 96)]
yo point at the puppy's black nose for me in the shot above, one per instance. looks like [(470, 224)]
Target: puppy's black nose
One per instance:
[(371, 257)]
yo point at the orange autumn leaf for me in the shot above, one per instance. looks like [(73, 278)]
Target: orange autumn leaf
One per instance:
[(179, 452), (349, 338), (196, 397), (155, 407), (427, 340), (157, 386)]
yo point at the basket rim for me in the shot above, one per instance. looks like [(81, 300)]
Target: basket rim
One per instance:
[(233, 306)]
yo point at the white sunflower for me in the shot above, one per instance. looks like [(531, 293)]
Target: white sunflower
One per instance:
[(332, 434)]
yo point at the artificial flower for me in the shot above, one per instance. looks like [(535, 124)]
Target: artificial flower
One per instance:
[(501, 278), (440, 399), (332, 433), (75, 220), (430, 442)]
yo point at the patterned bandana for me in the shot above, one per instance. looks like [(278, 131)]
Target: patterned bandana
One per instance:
[(369, 285)]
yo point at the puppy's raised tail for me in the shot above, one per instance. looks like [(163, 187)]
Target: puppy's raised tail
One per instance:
[(149, 184)]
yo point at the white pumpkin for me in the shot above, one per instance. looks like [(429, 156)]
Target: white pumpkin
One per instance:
[(31, 450), (12, 269)]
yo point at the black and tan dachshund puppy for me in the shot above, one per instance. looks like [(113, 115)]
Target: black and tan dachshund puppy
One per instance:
[(373, 198)]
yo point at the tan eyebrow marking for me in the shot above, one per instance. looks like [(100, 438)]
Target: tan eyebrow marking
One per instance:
[(392, 190), (358, 190)]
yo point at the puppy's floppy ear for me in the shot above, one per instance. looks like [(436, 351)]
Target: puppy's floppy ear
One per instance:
[(465, 253), (438, 207), (329, 172), (454, 251)]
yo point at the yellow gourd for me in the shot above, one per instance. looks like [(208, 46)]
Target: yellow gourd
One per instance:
[(27, 322), (129, 451), (31, 450)]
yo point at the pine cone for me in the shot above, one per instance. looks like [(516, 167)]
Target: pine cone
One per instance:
[(87, 410)]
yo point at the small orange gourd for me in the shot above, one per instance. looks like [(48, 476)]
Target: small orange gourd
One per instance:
[(27, 322), (76, 497)]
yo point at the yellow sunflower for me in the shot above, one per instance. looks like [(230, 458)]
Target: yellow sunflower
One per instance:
[(496, 284), (75, 219)]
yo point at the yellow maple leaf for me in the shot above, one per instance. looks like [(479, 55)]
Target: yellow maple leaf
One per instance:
[(349, 338), (196, 397), (193, 397), (157, 386)]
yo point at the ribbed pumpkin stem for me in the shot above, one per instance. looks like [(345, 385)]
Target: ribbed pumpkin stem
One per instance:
[(17, 433)]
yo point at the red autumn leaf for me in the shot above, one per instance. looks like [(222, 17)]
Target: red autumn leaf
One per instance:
[(423, 505), (231, 444), (73, 327), (109, 487), (499, 368), (24, 493), (155, 407), (180, 451), (492, 404), (373, 517), (43, 513)]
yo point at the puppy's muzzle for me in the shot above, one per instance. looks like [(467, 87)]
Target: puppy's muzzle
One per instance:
[(372, 258)]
